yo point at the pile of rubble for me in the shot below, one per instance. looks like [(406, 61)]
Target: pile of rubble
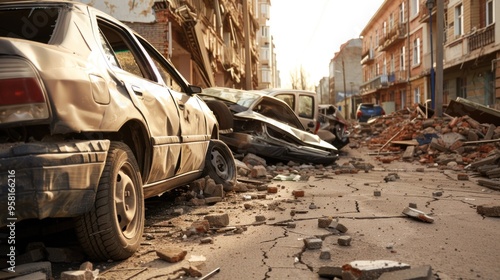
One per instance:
[(455, 142)]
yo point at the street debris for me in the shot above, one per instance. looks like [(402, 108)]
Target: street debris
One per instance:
[(489, 210), (417, 214)]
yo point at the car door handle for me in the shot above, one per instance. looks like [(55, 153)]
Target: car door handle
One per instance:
[(137, 90), (182, 106)]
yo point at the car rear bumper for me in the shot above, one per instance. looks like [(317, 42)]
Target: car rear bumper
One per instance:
[(55, 179)]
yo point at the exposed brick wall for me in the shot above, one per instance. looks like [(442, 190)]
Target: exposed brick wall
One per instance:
[(155, 33)]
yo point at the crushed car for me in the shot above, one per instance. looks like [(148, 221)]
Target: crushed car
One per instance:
[(333, 128), (253, 121), (93, 120)]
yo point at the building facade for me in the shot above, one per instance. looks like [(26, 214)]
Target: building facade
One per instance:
[(211, 42), (396, 53), (345, 76)]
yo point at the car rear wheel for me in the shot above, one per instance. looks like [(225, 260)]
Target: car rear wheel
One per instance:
[(220, 165), (222, 114), (113, 229)]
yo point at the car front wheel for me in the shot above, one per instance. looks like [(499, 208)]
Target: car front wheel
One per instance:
[(113, 229)]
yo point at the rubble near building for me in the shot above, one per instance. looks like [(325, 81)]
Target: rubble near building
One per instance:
[(457, 141)]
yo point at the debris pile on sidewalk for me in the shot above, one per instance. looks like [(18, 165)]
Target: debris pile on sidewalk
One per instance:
[(456, 142)]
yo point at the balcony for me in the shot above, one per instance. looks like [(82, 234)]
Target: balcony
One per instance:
[(367, 57), (394, 36), (378, 82), (481, 38)]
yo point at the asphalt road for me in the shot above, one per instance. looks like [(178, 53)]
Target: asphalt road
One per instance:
[(459, 244)]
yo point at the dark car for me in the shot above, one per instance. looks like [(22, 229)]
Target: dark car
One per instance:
[(93, 120), (368, 110)]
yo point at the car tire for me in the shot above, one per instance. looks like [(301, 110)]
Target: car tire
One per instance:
[(220, 165), (341, 137), (222, 114), (113, 229)]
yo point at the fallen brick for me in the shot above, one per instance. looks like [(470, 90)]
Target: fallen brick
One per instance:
[(489, 210), (325, 254), (298, 193), (417, 214), (344, 241), (324, 222), (367, 270), (313, 243), (462, 177), (218, 220), (32, 276), (171, 254), (330, 272)]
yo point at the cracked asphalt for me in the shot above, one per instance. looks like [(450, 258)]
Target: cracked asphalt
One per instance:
[(460, 244)]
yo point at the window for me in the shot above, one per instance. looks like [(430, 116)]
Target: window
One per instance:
[(264, 54), (490, 12), (306, 105), (264, 31), (459, 20), (384, 67), (391, 22), (414, 7), (461, 88), (385, 29), (416, 52), (288, 98), (376, 38), (266, 75), (392, 63), (416, 95), (402, 17), (402, 55)]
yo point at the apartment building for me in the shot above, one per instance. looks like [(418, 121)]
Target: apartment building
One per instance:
[(345, 73), (267, 58), (211, 42), (396, 53)]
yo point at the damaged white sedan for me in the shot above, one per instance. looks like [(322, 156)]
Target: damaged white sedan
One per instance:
[(93, 119), (255, 122)]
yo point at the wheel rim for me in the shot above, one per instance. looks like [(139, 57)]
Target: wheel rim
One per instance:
[(126, 203), (219, 163), (340, 131)]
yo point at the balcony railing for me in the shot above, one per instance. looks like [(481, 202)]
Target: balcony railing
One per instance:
[(367, 57), (482, 38), (395, 35), (378, 82)]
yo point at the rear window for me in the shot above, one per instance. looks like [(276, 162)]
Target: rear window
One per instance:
[(35, 24)]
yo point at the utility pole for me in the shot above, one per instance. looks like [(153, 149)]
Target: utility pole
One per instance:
[(345, 91), (248, 52), (439, 58)]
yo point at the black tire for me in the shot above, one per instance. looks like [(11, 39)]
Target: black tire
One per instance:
[(113, 229), (341, 136), (220, 165), (222, 114)]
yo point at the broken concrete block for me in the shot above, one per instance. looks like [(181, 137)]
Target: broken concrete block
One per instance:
[(344, 240), (253, 160), (45, 267), (171, 254), (377, 193), (324, 222), (30, 256), (438, 193), (260, 218), (338, 226), (313, 243), (202, 226), (86, 266), (258, 171), (207, 240), (367, 270), (417, 214), (462, 177), (417, 273), (412, 205), (330, 272), (213, 200), (325, 254), (218, 220), (489, 210)]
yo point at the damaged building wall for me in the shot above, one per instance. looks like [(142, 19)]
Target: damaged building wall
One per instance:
[(204, 39)]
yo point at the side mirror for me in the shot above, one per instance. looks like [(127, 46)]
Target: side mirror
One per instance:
[(195, 89)]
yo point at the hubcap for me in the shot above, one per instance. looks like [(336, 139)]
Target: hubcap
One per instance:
[(220, 164), (126, 203)]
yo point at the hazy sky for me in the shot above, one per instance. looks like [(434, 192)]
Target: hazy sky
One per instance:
[(309, 33)]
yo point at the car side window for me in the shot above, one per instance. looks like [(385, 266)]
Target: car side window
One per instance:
[(169, 78), (306, 105), (120, 51)]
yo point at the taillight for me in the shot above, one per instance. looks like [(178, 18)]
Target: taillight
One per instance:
[(316, 128), (21, 95), (358, 114)]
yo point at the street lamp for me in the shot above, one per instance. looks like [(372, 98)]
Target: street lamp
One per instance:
[(430, 6)]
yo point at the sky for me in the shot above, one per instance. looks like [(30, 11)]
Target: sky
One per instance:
[(309, 33)]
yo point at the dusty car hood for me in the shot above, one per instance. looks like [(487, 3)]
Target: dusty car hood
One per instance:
[(302, 136)]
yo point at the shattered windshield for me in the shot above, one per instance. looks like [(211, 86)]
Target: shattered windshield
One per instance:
[(35, 24), (240, 97)]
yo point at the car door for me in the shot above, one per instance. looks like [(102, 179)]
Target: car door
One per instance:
[(194, 132), (303, 105), (132, 67)]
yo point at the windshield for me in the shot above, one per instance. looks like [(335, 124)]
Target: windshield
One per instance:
[(241, 97)]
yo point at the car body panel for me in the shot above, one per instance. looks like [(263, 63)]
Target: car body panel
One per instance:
[(366, 111), (91, 101)]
